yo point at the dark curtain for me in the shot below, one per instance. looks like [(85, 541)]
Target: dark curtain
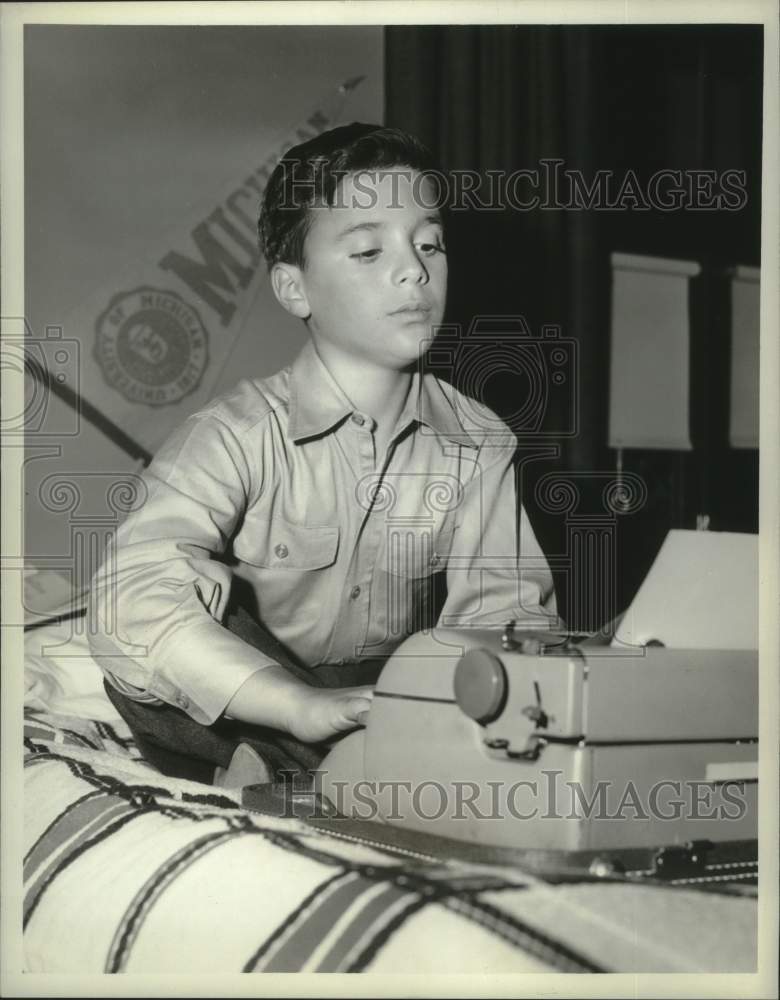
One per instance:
[(499, 99), (502, 98)]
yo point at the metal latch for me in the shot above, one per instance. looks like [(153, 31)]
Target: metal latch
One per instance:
[(683, 860), (534, 743), (533, 747), (536, 713)]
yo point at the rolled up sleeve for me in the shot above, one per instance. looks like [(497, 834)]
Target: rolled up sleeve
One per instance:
[(157, 603), (496, 570)]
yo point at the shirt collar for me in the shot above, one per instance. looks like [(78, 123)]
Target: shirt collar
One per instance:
[(429, 405), (318, 404)]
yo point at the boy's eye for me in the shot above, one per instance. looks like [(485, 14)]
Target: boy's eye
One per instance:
[(426, 247), (366, 255), (430, 247)]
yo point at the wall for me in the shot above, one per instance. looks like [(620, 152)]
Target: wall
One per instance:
[(131, 134)]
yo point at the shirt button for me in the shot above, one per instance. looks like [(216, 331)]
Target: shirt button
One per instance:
[(282, 551), (435, 560), (358, 419), (354, 593), (183, 701)]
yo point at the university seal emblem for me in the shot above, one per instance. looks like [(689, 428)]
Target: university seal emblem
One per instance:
[(151, 346)]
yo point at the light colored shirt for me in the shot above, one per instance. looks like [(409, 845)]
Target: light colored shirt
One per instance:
[(278, 482)]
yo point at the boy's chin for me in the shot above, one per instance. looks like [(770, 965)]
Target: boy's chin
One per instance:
[(402, 360), (411, 343)]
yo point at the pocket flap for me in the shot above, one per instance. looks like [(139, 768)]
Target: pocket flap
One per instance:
[(274, 543)]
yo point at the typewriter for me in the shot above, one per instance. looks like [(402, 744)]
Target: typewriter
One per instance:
[(633, 755)]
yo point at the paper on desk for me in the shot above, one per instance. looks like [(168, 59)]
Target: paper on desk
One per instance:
[(700, 593)]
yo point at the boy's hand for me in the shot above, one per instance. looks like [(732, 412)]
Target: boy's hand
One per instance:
[(322, 713), (272, 697)]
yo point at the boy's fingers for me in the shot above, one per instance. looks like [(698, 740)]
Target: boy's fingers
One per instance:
[(358, 709)]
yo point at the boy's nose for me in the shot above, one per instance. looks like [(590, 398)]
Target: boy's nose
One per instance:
[(411, 270)]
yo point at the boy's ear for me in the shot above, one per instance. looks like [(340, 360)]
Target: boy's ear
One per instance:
[(288, 285)]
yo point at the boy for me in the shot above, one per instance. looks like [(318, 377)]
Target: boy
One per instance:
[(335, 492)]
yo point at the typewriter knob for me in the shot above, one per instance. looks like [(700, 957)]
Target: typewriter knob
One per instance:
[(480, 685)]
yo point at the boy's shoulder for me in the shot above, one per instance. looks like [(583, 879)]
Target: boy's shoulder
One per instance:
[(482, 424), (249, 402)]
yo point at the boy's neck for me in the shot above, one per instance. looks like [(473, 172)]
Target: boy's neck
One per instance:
[(379, 392)]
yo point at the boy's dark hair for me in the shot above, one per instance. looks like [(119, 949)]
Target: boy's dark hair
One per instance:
[(309, 174)]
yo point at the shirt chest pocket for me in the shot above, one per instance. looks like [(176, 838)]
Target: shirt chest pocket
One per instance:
[(274, 543), (418, 552)]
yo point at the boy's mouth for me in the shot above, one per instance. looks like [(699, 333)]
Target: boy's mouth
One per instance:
[(413, 310)]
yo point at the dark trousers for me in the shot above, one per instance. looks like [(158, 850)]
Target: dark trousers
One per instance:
[(181, 747)]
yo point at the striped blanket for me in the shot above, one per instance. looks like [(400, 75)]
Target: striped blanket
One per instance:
[(128, 871)]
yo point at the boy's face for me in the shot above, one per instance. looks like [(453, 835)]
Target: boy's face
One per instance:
[(375, 279)]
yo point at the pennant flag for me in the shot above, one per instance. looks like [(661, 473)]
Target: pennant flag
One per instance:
[(743, 422), (155, 341), (649, 372)]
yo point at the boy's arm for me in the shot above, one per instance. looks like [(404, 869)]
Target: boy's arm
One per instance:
[(497, 571), (156, 607)]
